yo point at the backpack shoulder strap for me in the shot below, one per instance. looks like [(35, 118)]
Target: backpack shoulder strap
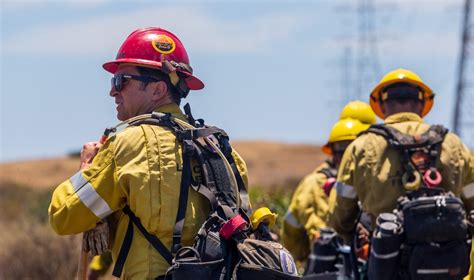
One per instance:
[(331, 175), (393, 137), (433, 136), (328, 172)]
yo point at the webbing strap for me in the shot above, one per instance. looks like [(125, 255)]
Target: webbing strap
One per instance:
[(191, 134), (183, 197), (431, 139), (399, 141), (189, 114), (122, 256), (244, 196), (154, 241), (433, 136), (204, 191), (329, 172)]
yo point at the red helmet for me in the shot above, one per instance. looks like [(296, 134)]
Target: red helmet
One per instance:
[(151, 47)]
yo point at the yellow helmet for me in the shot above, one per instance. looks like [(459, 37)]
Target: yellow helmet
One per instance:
[(262, 214), (401, 76), (345, 129), (358, 110)]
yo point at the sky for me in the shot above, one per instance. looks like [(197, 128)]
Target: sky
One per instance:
[(273, 70)]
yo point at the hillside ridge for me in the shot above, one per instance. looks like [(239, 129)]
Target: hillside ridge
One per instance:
[(269, 163)]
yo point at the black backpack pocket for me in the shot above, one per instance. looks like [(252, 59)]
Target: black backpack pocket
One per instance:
[(196, 270), (434, 219), (189, 265), (209, 243), (439, 261)]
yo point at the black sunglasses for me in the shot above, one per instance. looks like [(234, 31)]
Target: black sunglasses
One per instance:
[(118, 80)]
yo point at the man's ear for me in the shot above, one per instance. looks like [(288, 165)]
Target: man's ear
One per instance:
[(160, 90)]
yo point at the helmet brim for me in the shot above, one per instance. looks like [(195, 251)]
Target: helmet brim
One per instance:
[(192, 81), (375, 96), (327, 149)]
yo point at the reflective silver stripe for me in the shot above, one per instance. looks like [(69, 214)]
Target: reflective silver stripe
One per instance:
[(89, 196), (346, 191), (323, 258), (432, 271), (292, 221), (384, 256), (468, 191)]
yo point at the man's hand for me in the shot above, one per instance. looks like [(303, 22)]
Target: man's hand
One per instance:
[(88, 152), (96, 240), (363, 239), (363, 235)]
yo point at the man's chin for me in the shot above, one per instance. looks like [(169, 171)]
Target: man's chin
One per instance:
[(121, 117)]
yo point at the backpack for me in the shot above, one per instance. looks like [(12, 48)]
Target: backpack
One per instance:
[(435, 235), (222, 245), (418, 153), (427, 240)]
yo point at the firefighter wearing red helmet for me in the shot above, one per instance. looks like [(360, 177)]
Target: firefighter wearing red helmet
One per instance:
[(139, 168)]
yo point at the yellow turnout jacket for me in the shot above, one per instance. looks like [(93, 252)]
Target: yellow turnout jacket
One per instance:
[(307, 214), (371, 172), (140, 167)]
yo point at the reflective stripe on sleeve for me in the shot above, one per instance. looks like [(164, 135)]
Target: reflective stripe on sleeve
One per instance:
[(89, 196), (346, 191), (291, 220)]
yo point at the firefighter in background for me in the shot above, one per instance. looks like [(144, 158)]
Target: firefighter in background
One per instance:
[(99, 266), (138, 169), (371, 172), (308, 210)]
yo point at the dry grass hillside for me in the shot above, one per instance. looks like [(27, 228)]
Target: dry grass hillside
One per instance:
[(270, 164)]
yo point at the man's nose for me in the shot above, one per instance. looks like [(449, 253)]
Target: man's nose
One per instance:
[(113, 92)]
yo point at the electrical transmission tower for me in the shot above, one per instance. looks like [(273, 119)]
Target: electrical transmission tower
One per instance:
[(367, 64), (360, 68), (346, 83), (463, 112)]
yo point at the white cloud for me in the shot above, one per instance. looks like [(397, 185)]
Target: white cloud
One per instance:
[(199, 30)]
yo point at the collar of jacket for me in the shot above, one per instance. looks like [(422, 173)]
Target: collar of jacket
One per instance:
[(172, 109), (403, 117)]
